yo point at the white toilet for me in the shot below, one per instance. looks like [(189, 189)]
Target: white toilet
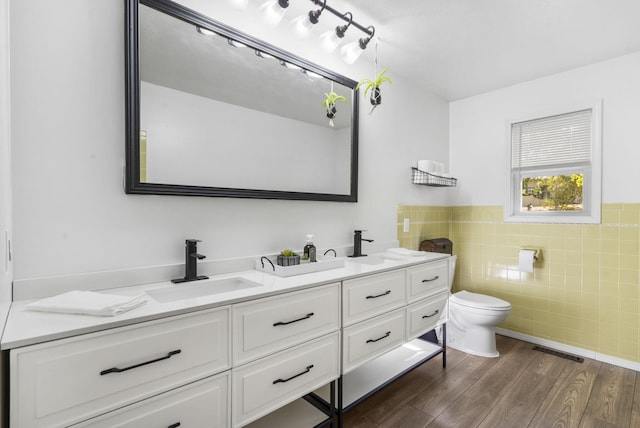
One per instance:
[(473, 319)]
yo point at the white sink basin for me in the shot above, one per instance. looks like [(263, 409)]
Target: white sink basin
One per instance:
[(367, 260), (190, 290)]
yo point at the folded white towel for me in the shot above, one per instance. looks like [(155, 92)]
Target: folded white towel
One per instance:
[(88, 303), (406, 252)]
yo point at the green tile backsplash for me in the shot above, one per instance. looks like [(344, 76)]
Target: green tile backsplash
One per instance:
[(584, 289)]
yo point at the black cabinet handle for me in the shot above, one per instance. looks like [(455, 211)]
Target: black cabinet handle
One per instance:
[(119, 370), (387, 334), (306, 317), (432, 279), (176, 425), (433, 314), (307, 370), (379, 295)]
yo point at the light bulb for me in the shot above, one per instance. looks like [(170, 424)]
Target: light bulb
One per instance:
[(273, 11), (302, 25), (351, 52), (240, 4), (330, 41)]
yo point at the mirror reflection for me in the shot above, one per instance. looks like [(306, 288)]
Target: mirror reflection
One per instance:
[(232, 116)]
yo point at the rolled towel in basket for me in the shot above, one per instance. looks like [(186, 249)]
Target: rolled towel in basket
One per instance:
[(427, 165), (87, 303)]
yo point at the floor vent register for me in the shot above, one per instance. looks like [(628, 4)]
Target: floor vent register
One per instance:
[(558, 354)]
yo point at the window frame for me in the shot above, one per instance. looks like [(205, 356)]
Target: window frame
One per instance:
[(592, 174)]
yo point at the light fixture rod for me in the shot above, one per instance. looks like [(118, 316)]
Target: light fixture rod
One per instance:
[(343, 17)]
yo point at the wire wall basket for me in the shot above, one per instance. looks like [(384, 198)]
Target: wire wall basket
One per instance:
[(428, 179)]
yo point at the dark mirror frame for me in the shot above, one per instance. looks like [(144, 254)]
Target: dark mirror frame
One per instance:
[(133, 185)]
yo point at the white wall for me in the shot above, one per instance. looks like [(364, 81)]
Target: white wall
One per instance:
[(5, 165), (70, 211), (5, 196), (479, 144)]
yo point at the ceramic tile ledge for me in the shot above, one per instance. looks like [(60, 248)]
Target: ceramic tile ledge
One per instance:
[(632, 365), (38, 288)]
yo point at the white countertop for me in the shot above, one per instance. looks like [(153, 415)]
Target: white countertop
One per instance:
[(25, 327)]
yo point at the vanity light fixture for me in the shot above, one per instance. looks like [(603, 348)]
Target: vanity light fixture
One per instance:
[(205, 32), (352, 51), (289, 65), (236, 44), (264, 55), (273, 11), (332, 39), (311, 74), (304, 24)]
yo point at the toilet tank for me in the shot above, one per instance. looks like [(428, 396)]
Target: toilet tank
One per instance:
[(437, 245)]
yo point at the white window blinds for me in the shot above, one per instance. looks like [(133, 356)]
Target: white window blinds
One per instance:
[(551, 141)]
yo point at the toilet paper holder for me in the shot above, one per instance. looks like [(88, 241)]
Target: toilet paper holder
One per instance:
[(537, 253)]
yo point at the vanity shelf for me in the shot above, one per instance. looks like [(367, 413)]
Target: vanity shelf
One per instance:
[(428, 179)]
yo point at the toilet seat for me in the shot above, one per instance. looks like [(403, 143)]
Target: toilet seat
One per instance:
[(479, 301)]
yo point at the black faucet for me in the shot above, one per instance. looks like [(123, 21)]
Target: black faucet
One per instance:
[(191, 262), (357, 243)]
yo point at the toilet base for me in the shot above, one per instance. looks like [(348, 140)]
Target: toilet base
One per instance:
[(479, 341)]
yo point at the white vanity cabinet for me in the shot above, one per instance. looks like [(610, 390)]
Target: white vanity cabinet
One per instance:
[(383, 317), (67, 381), (285, 347), (204, 403), (259, 362)]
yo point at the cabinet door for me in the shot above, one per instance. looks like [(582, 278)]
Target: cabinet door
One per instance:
[(267, 384), (366, 340), (368, 296), (424, 315), (67, 381), (268, 325), (200, 404), (428, 279)]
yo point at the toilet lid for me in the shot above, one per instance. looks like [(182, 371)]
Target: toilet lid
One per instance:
[(474, 300)]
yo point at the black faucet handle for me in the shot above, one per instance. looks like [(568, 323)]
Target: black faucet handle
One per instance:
[(198, 256), (192, 241)]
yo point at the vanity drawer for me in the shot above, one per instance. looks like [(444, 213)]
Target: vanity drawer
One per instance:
[(201, 404), (365, 297), (365, 341), (428, 279), (424, 315), (66, 381), (268, 325), (265, 385)]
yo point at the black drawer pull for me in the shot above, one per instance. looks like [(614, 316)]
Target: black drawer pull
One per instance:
[(432, 279), (387, 334), (379, 295), (433, 314), (307, 370), (118, 370), (306, 317), (176, 425)]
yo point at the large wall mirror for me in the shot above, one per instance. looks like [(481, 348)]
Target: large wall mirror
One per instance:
[(212, 111)]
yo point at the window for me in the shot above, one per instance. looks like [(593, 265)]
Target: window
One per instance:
[(555, 168)]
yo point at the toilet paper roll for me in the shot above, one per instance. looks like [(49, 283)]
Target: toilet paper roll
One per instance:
[(526, 259)]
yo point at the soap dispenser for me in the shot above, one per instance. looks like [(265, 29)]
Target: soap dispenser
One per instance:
[(310, 249)]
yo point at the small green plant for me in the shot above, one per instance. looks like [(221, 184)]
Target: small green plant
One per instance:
[(331, 98), (288, 253), (329, 105), (375, 83)]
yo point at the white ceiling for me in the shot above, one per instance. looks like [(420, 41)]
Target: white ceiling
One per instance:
[(460, 48)]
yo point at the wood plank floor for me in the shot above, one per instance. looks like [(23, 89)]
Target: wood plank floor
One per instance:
[(521, 388)]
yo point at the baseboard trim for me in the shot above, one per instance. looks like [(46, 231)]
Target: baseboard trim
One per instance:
[(632, 365)]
